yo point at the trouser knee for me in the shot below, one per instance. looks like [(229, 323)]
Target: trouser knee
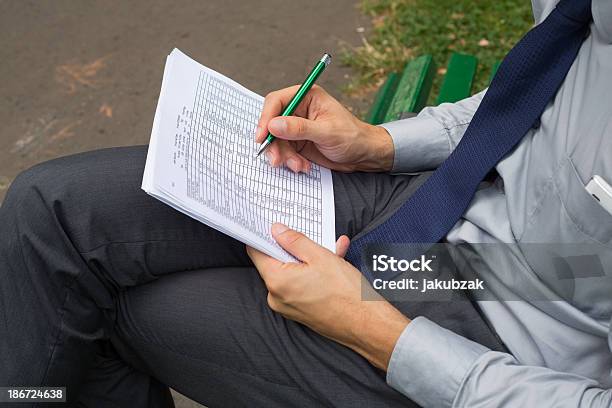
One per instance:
[(27, 200)]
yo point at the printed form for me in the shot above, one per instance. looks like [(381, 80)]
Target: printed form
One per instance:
[(201, 161)]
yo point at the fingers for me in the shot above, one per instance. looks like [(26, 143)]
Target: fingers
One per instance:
[(276, 276), (297, 244), (342, 245), (294, 161), (273, 153), (265, 264), (274, 104), (282, 152), (296, 128)]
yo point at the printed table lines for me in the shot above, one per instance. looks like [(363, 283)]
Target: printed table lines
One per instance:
[(224, 175)]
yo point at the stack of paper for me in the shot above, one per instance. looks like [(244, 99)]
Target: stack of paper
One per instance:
[(201, 161)]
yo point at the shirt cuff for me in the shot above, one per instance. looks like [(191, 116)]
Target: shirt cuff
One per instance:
[(429, 363), (420, 143)]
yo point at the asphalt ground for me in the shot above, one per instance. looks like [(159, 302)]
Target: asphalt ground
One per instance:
[(81, 75)]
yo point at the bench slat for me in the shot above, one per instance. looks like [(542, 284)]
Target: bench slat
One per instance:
[(459, 78), (383, 99), (413, 88)]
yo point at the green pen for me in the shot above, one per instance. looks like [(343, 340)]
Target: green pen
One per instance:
[(299, 95)]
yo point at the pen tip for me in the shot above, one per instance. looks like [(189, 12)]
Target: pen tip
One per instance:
[(262, 148)]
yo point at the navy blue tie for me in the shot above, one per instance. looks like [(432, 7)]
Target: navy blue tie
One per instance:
[(525, 83)]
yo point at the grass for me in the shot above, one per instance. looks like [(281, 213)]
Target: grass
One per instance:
[(402, 29)]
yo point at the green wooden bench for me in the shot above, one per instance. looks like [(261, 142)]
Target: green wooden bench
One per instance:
[(405, 94)]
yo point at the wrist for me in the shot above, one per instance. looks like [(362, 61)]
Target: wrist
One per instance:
[(375, 334), (378, 152)]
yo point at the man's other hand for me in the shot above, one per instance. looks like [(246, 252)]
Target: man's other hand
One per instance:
[(324, 132), (324, 292)]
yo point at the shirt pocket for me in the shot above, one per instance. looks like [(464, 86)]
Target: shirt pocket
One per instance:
[(567, 213), (580, 207), (568, 243)]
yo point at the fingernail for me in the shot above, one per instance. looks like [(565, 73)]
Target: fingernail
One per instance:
[(277, 126), (293, 165), (258, 132), (278, 228)]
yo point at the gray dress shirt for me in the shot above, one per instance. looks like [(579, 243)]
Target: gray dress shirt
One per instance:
[(561, 347)]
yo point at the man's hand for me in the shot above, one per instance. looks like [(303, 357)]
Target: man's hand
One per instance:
[(324, 292), (324, 132)]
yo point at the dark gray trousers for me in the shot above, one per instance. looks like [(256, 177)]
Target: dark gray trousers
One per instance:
[(116, 296)]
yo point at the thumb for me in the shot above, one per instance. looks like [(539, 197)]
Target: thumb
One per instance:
[(342, 246), (296, 243), (296, 128)]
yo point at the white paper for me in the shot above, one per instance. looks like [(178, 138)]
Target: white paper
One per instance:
[(201, 161)]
